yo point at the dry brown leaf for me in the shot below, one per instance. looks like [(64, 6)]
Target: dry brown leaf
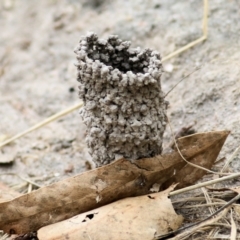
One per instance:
[(109, 183), (130, 218)]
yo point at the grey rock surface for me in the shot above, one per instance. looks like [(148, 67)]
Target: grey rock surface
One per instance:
[(124, 107)]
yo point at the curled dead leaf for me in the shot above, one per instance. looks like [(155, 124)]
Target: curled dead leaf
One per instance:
[(130, 218)]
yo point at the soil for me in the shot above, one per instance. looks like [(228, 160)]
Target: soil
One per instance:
[(38, 76)]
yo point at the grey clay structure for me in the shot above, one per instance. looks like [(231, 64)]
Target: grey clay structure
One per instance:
[(124, 107)]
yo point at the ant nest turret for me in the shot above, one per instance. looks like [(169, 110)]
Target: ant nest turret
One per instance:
[(124, 107)]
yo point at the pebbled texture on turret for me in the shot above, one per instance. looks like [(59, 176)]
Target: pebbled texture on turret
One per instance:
[(124, 107)]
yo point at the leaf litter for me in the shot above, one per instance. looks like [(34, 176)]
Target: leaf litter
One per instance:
[(130, 218), (155, 187), (118, 180)]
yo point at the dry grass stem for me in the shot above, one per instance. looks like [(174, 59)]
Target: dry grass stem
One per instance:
[(43, 123), (200, 225), (233, 227), (198, 199), (203, 205), (204, 184), (23, 178), (30, 188), (230, 159), (197, 68), (221, 225), (180, 153), (220, 213), (208, 200)]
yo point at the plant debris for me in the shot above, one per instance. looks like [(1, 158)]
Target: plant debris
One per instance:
[(133, 218), (109, 183)]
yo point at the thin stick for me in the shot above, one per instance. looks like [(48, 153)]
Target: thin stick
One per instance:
[(230, 159), (43, 123), (197, 41), (23, 178), (204, 184), (208, 199), (233, 228), (201, 205), (196, 69), (198, 199), (180, 153)]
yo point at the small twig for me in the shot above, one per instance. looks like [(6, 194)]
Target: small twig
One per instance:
[(208, 199), (23, 178), (221, 225), (195, 224), (29, 188), (184, 131), (201, 205), (204, 184), (230, 159), (198, 199), (196, 69), (192, 164)]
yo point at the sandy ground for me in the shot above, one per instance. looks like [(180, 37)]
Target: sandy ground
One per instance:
[(38, 77)]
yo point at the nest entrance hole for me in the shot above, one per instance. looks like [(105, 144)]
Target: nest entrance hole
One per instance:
[(119, 56)]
